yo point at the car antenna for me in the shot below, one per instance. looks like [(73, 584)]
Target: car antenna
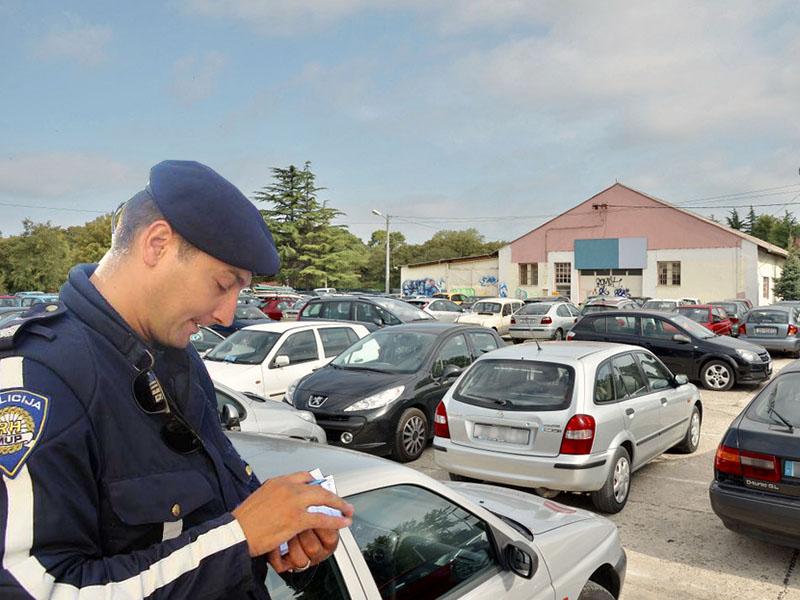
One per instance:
[(537, 344)]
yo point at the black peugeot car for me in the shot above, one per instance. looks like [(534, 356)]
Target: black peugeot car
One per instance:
[(756, 487), (684, 346), (380, 394)]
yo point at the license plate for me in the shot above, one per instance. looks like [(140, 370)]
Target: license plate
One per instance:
[(501, 433), (791, 468), (766, 330)]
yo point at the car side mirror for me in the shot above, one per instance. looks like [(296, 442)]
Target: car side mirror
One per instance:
[(520, 561), (281, 361), (450, 372), (681, 379), (681, 339), (230, 418)]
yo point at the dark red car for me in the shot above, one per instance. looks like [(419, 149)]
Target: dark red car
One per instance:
[(711, 317), (273, 307)]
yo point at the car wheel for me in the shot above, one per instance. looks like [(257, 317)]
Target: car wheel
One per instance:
[(411, 435), (559, 335), (595, 591), (691, 440), (717, 375), (611, 498)]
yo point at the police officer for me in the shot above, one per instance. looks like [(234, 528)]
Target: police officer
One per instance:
[(117, 481)]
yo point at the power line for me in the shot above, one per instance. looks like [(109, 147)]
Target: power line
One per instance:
[(85, 210)]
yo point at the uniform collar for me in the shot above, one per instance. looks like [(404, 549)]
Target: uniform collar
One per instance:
[(83, 299)]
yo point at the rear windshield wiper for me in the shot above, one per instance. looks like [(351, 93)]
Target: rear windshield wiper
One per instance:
[(771, 410)]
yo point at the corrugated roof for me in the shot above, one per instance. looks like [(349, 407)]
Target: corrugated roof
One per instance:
[(452, 260)]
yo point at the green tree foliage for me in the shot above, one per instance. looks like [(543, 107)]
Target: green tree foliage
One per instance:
[(734, 220), (90, 242), (787, 286), (750, 221), (38, 259), (373, 275), (452, 244), (313, 251)]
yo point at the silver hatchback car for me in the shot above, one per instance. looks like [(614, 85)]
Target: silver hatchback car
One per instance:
[(565, 416), (542, 321)]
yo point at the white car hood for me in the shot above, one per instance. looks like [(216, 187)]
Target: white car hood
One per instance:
[(478, 319), (233, 375), (537, 514)]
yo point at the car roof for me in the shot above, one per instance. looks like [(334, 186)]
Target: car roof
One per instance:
[(707, 305), (663, 300), (637, 312), (433, 326), (282, 326), (498, 299), (573, 350)]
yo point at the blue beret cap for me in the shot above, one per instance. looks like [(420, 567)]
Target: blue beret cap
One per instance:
[(210, 213)]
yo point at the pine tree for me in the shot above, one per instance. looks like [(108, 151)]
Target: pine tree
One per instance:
[(787, 286), (750, 221), (734, 220)]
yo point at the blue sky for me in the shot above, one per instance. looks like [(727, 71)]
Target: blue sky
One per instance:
[(492, 114)]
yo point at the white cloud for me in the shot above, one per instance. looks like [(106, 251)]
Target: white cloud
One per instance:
[(195, 77), (58, 175), (75, 41)]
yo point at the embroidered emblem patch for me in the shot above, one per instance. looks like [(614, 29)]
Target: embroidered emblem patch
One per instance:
[(22, 418)]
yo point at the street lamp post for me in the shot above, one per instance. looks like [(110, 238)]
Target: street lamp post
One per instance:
[(386, 217)]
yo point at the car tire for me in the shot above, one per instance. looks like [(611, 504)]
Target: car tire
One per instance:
[(558, 335), (691, 440), (595, 591), (717, 375), (611, 498), (411, 435)]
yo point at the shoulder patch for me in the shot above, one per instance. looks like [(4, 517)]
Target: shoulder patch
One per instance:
[(39, 313), (22, 419)]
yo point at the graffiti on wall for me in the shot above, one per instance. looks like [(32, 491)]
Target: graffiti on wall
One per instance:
[(488, 280), (502, 290), (521, 294), (465, 291), (426, 286), (609, 286)]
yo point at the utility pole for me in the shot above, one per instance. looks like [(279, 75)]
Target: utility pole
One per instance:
[(386, 217)]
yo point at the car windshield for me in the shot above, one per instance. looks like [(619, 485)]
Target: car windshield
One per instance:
[(402, 310), (248, 311), (781, 396), (691, 327), (486, 307), (388, 351), (245, 346), (699, 315), (9, 301), (538, 308), (660, 305), (517, 385), (768, 316)]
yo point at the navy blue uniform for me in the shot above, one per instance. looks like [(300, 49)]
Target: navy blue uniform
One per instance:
[(93, 502)]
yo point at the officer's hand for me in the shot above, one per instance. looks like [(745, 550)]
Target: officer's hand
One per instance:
[(309, 548), (278, 511)]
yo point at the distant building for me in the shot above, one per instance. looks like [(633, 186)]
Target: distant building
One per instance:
[(622, 241)]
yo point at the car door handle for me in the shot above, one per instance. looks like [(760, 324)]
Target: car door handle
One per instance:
[(629, 412), (663, 402)]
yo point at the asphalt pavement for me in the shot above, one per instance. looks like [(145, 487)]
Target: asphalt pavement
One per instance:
[(677, 547)]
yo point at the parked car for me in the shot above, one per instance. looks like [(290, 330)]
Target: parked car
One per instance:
[(718, 362), (371, 311), (265, 359), (246, 314), (10, 302), (415, 537), (606, 303), (577, 417), (439, 309), (542, 321), (773, 327), (8, 314), (756, 467), (662, 304), (29, 300), (292, 312), (471, 300), (546, 299), (735, 311), (745, 301), (381, 393), (252, 413), (640, 300), (205, 339), (274, 307), (456, 297), (494, 313), (324, 291), (712, 318), (689, 301)]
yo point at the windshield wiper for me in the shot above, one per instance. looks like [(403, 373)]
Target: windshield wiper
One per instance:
[(771, 411), (373, 369)]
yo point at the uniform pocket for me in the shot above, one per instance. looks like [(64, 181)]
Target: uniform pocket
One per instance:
[(158, 498)]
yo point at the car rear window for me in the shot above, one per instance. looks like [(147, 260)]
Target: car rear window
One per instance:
[(659, 305), (779, 396), (245, 346), (486, 307), (538, 308), (699, 315), (768, 316), (517, 385)]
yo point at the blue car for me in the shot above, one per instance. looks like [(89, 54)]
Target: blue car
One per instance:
[(246, 314)]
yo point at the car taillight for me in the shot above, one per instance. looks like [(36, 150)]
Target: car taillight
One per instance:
[(513, 321), (578, 435), (792, 329), (440, 427), (570, 335), (734, 319), (732, 461), (742, 330), (546, 320)]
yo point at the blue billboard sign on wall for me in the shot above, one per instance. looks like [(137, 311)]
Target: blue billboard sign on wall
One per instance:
[(611, 253)]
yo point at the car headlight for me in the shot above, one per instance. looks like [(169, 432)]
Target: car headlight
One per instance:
[(378, 400), (306, 416), (748, 355), (288, 397)]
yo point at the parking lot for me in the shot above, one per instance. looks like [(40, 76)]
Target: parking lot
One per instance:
[(676, 545)]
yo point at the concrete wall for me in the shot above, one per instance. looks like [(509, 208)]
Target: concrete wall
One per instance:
[(474, 277), (769, 266)]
